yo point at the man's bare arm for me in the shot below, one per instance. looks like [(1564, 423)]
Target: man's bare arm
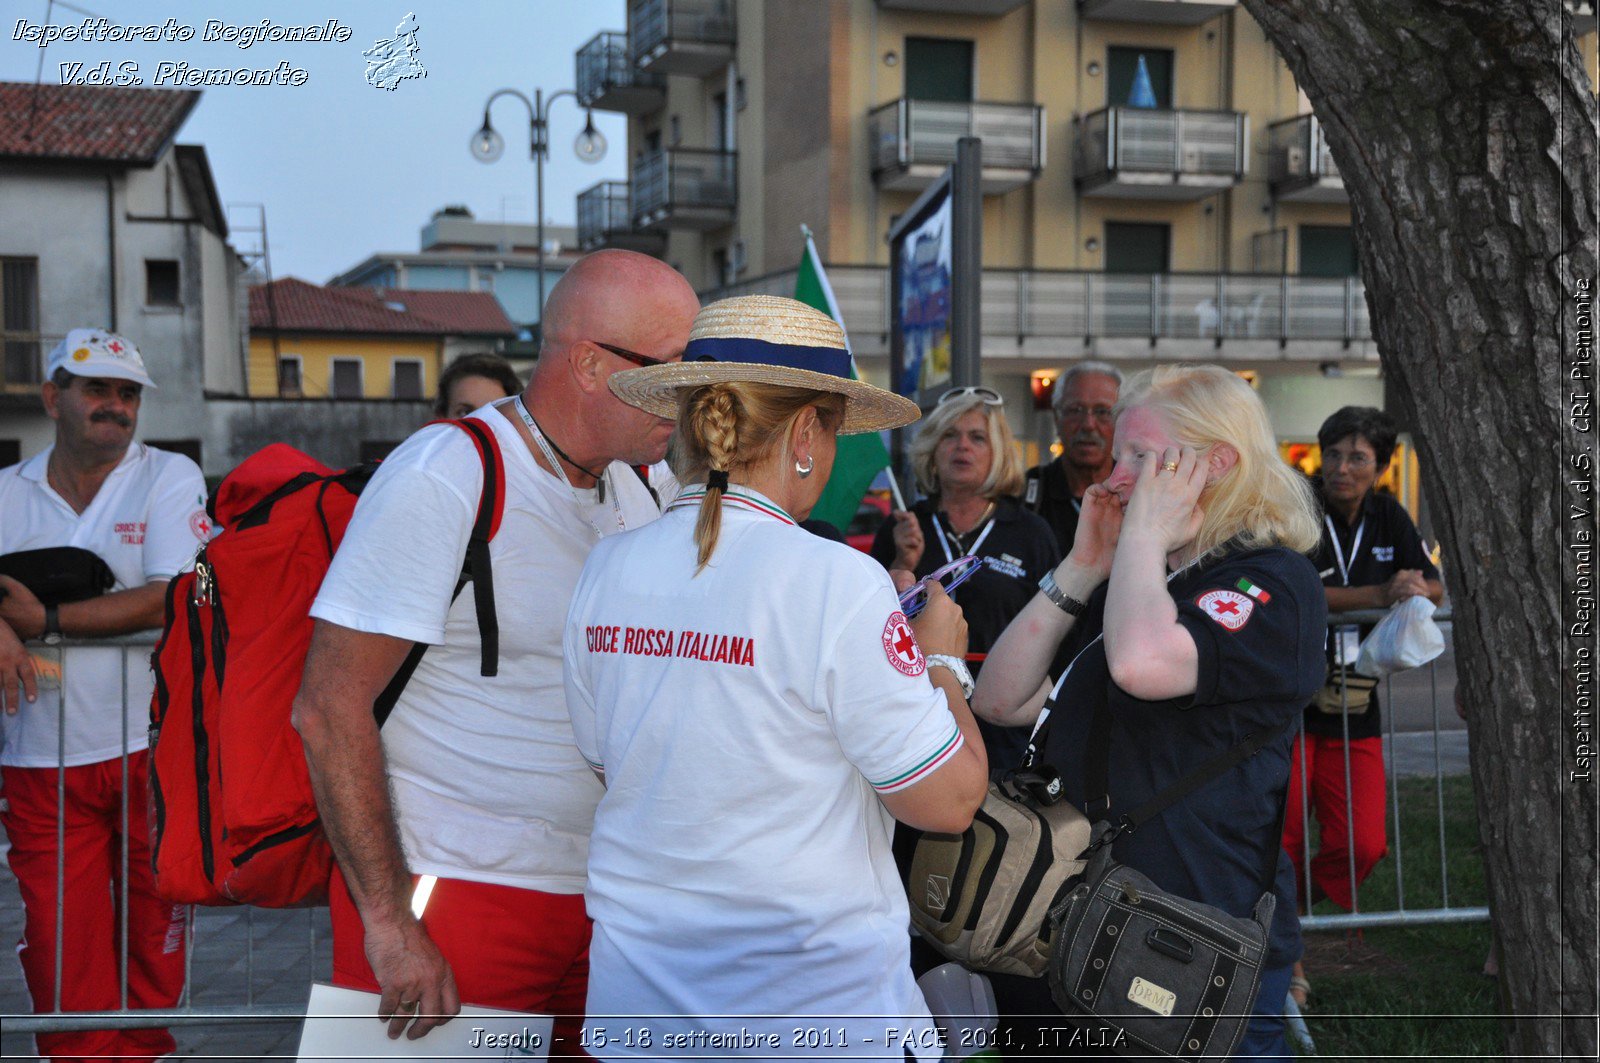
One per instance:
[(117, 613), (345, 672)]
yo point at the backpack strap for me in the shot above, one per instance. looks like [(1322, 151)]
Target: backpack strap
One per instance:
[(475, 568), (643, 473)]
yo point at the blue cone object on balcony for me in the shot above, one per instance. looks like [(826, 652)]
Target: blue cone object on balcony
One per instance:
[(1142, 94)]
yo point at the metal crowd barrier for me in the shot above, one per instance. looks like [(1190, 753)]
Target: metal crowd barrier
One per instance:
[(1444, 912), (135, 649)]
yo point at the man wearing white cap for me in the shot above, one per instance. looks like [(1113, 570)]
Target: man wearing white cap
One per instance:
[(142, 512)]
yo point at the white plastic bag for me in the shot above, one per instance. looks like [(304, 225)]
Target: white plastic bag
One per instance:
[(1406, 638)]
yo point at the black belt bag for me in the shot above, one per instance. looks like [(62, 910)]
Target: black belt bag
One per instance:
[(59, 574), (1176, 976)]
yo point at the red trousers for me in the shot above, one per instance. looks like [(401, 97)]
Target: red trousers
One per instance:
[(510, 948), (91, 956), (1365, 827)]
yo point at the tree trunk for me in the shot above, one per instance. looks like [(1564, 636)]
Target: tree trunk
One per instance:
[(1466, 134)]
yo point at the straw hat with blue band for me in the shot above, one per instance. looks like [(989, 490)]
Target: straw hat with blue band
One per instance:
[(765, 339)]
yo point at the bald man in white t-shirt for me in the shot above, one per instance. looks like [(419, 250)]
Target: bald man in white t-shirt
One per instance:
[(142, 512), (475, 784)]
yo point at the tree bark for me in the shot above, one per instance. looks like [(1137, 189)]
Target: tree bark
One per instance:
[(1466, 134)]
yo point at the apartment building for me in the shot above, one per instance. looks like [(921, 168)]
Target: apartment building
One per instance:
[(1156, 187)]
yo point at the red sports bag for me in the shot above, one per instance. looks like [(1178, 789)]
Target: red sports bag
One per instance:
[(233, 820)]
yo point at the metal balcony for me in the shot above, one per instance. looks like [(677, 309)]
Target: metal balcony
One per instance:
[(981, 8), (693, 37), (1133, 153), (913, 141), (1162, 12), (684, 188), (605, 220), (1300, 168), (607, 80)]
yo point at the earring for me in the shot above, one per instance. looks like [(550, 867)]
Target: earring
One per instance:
[(805, 470)]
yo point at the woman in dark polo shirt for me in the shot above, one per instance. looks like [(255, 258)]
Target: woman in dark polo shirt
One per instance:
[(965, 456), (1188, 612), (1370, 557)]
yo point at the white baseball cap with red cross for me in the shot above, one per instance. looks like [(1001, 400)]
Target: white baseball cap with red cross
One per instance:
[(96, 352)]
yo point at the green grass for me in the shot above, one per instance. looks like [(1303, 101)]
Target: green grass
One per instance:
[(1411, 991)]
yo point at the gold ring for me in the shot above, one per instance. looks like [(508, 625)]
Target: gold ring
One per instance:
[(1169, 466)]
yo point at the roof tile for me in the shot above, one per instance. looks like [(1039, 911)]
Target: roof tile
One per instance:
[(90, 123), (298, 306)]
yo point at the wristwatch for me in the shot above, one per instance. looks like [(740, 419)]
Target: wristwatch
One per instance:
[(1061, 599), (957, 667), (52, 627)]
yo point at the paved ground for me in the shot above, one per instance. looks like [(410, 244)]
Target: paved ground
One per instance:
[(269, 959)]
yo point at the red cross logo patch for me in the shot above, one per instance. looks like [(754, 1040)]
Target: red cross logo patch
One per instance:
[(900, 645), (200, 524), (1228, 608)]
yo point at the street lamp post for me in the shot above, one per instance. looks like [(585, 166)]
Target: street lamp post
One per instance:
[(487, 145)]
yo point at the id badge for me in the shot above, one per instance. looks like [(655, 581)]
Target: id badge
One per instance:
[(1347, 645)]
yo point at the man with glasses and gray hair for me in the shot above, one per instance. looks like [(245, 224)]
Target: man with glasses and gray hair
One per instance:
[(1084, 398), (462, 832)]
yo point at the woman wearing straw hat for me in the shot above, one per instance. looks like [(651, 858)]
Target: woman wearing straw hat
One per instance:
[(758, 706)]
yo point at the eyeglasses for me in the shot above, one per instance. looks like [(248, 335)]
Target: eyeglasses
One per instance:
[(950, 576), (1077, 412), (1348, 461), (990, 396), (641, 360)]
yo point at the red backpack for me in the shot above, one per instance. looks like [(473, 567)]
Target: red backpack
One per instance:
[(233, 820)]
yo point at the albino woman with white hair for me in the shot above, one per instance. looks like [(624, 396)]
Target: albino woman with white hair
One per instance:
[(1185, 618), (966, 458)]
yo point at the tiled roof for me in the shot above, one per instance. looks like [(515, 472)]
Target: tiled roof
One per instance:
[(302, 307), (90, 123)]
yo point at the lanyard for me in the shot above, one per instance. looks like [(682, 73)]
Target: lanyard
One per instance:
[(1338, 551), (544, 447), (944, 543)]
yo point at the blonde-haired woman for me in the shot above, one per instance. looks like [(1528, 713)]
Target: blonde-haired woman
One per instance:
[(758, 706), (966, 458), (1185, 618)]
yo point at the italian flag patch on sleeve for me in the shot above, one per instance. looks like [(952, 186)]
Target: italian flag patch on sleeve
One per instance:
[(1253, 591)]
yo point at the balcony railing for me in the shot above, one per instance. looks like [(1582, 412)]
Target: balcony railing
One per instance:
[(1164, 12), (606, 220), (693, 37), (607, 80), (684, 188), (1055, 307), (1134, 153), (1299, 166), (981, 8), (914, 140)]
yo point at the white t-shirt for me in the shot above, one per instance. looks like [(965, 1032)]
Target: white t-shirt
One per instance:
[(486, 781), (745, 719), (146, 522)]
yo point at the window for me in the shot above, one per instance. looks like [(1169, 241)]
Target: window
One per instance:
[(189, 448), (345, 382), (1122, 76), (407, 378), (719, 121), (1136, 248), (939, 68), (161, 282), (10, 452), (1328, 251), (19, 322), (290, 385)]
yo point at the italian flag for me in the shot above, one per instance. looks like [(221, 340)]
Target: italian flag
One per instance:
[(860, 457), (1253, 591)]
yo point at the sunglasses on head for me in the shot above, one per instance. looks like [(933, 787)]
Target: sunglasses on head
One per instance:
[(643, 361), (990, 396)]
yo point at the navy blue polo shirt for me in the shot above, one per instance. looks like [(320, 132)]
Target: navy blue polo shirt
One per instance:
[(1017, 550), (1048, 494), (1257, 618), (1388, 543)]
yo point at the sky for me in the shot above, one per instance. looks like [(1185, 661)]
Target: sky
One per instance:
[(344, 169)]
